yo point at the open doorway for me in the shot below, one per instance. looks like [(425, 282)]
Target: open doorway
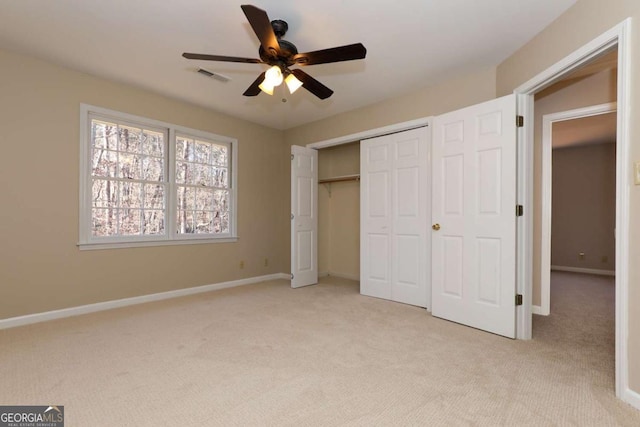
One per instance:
[(616, 38), (578, 195), (578, 287), (576, 132), (577, 111)]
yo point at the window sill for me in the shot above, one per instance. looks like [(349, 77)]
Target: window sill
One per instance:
[(117, 245)]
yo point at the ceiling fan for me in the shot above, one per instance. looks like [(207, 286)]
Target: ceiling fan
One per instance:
[(281, 54)]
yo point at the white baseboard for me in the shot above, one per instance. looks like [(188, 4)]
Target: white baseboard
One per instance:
[(632, 398), (536, 309), (583, 270), (344, 275), (13, 322)]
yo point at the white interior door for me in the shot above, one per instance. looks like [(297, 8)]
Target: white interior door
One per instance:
[(394, 194), (304, 216), (473, 211)]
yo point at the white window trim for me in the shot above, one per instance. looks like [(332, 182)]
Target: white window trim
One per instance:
[(88, 242)]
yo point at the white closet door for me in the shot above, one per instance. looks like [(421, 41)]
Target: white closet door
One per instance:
[(304, 216), (394, 217), (474, 203)]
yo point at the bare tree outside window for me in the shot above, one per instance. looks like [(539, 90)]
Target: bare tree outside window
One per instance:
[(202, 178), (128, 180), (147, 182)]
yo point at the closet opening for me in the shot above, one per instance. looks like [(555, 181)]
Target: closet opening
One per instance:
[(339, 211)]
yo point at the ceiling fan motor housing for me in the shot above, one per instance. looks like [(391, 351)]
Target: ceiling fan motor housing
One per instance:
[(280, 27), (288, 50)]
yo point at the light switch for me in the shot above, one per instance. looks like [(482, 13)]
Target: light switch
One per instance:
[(636, 173)]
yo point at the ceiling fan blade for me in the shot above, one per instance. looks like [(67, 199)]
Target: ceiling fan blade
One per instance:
[(254, 90), (261, 25), (334, 54), (312, 85), (221, 58)]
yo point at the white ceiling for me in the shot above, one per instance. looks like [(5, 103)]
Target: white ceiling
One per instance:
[(410, 44)]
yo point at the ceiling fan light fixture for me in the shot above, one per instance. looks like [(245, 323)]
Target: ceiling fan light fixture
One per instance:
[(292, 83), (273, 76), (266, 88)]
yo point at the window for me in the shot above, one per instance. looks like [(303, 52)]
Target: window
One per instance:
[(144, 182)]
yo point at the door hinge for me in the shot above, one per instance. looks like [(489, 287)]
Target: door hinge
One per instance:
[(519, 210), (292, 217), (518, 299), (292, 277), (292, 156), (520, 121)]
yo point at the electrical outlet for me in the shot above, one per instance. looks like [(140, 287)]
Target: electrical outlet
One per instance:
[(266, 262), (581, 256), (241, 265), (636, 173)]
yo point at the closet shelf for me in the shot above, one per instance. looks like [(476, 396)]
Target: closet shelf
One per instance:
[(327, 181), (355, 177)]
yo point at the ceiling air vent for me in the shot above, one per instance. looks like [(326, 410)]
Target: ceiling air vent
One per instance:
[(216, 76)]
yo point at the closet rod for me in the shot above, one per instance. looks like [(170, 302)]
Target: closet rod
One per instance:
[(339, 179)]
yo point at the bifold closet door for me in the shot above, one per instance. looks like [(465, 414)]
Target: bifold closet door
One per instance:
[(394, 216)]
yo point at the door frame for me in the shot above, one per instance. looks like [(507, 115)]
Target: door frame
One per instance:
[(616, 36), (546, 186)]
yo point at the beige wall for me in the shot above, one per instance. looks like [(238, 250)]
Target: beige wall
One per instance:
[(583, 22), (586, 91), (584, 206), (339, 212), (41, 267), (458, 92)]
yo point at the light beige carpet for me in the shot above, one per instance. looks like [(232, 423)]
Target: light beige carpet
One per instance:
[(324, 355)]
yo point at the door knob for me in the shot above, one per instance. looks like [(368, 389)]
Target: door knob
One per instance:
[(436, 227)]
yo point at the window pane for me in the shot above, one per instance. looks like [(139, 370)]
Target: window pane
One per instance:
[(130, 139), (221, 211), (185, 222), (201, 175), (182, 171), (153, 196), (130, 166), (131, 195), (184, 149), (104, 222), (153, 222), (153, 143), (186, 198), (204, 222), (103, 163), (153, 169), (204, 199), (219, 155), (202, 152), (104, 135), (104, 193), (129, 222), (220, 178)]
